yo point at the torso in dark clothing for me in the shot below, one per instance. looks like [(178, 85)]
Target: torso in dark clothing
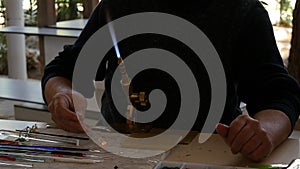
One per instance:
[(241, 33), (215, 19)]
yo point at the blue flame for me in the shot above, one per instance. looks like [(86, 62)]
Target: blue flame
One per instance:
[(114, 38)]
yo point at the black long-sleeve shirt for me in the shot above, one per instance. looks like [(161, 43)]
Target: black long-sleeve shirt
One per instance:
[(242, 34)]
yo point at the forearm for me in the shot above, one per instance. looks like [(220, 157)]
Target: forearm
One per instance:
[(56, 85), (276, 123)]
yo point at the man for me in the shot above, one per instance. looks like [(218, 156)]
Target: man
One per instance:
[(242, 34)]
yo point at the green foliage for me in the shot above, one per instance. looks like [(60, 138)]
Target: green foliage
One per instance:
[(68, 9), (3, 55), (286, 13), (30, 15), (3, 44), (2, 10)]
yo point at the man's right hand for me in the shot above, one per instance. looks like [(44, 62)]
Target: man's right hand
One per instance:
[(63, 113), (61, 100)]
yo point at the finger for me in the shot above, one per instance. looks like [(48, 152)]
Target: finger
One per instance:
[(253, 143), (222, 129), (265, 148), (246, 133), (261, 152), (67, 120), (61, 111), (235, 127), (64, 114)]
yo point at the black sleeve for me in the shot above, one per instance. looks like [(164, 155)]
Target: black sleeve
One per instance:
[(264, 81), (63, 64)]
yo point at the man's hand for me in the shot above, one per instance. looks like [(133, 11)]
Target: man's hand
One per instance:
[(63, 112), (61, 100), (256, 137), (246, 136)]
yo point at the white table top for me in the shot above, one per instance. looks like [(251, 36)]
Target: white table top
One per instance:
[(76, 24), (21, 90), (41, 31)]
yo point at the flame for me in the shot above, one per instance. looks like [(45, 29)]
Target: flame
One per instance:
[(113, 35)]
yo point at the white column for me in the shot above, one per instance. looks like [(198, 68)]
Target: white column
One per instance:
[(16, 42)]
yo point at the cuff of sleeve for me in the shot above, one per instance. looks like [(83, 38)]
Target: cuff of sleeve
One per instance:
[(45, 80)]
